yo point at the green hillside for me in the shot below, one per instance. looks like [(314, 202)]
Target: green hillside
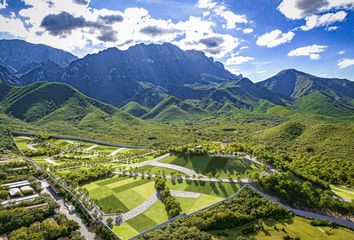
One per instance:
[(167, 103), (320, 103), (134, 109), (59, 108)]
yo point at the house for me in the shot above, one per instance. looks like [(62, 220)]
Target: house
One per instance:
[(14, 192)]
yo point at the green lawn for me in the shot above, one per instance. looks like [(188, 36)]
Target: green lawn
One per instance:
[(296, 227), (222, 166), (158, 170), (217, 189), (21, 142), (157, 214), (343, 192), (120, 194), (150, 218)]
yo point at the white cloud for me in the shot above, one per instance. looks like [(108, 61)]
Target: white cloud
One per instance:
[(323, 20), (299, 9), (244, 47), (341, 52), (137, 26), (220, 10), (346, 62), (13, 26), (274, 38), (3, 4), (261, 72), (311, 51), (248, 30), (237, 60), (332, 28)]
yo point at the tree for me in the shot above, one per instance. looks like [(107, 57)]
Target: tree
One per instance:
[(110, 222)]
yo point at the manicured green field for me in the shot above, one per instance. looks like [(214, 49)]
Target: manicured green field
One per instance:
[(221, 166), (217, 189), (157, 214), (343, 192), (158, 170), (22, 143), (103, 149), (297, 227), (150, 218), (120, 194)]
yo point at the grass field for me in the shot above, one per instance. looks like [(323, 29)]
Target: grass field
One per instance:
[(297, 227), (22, 143), (149, 219), (222, 166), (343, 192), (120, 194), (155, 215)]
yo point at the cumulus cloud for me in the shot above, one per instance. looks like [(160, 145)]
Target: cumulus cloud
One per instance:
[(323, 20), (3, 4), (62, 23), (311, 51), (212, 42), (237, 60), (341, 52), (74, 24), (81, 2), (274, 38), (109, 19), (346, 62), (248, 30), (299, 9), (220, 10), (157, 31)]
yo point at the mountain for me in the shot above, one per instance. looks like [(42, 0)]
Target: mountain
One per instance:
[(311, 94), (14, 54), (296, 84), (117, 77), (147, 75), (170, 105)]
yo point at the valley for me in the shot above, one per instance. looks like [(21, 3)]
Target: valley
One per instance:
[(156, 142)]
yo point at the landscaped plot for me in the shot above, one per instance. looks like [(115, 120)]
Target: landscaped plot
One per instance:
[(218, 189), (343, 192), (296, 227), (22, 142), (150, 218), (104, 149), (215, 165), (120, 194), (158, 170), (210, 194)]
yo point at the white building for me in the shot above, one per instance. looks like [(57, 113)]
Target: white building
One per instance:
[(14, 191)]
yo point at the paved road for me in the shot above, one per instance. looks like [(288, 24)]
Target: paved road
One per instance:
[(30, 147), (83, 228), (185, 194), (116, 151), (49, 160), (303, 213), (148, 203), (24, 137), (204, 179), (90, 148)]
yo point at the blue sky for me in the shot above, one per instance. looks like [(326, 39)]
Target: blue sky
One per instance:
[(257, 38)]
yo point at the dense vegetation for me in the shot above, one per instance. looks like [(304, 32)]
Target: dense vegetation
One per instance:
[(304, 195), (88, 175), (244, 208), (172, 206)]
